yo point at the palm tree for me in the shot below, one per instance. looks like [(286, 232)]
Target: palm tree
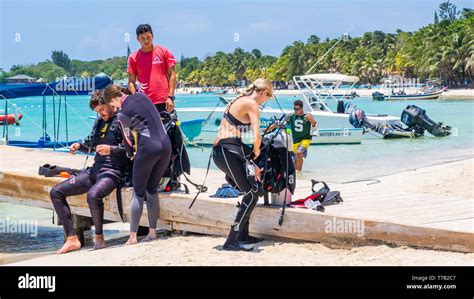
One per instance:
[(369, 69)]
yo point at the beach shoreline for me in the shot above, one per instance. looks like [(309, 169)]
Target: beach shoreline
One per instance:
[(458, 94), (451, 178)]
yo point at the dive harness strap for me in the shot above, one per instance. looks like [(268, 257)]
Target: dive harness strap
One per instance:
[(204, 182), (118, 194), (200, 188)]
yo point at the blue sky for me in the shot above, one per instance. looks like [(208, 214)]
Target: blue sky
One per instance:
[(88, 30)]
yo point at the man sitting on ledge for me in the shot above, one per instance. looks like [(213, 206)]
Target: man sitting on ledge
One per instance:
[(98, 181)]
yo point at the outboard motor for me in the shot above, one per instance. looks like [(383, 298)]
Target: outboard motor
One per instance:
[(349, 107), (416, 118), (358, 119), (340, 106)]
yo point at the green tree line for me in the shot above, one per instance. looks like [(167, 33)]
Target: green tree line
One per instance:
[(442, 50)]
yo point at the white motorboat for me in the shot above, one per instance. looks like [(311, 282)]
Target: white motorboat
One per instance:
[(334, 127)]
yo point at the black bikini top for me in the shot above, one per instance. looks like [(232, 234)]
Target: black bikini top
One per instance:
[(234, 121)]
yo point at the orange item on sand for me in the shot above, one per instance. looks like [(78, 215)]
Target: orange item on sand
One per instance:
[(65, 174)]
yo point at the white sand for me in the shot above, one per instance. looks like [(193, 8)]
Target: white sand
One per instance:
[(452, 178), (205, 251)]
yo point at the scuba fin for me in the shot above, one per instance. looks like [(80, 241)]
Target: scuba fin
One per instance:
[(319, 198), (226, 191), (328, 197), (52, 170)]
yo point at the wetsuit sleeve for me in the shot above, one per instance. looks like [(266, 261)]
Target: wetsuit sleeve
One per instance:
[(118, 149), (89, 142), (127, 133)]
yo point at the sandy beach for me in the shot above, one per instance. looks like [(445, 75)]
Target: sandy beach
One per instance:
[(454, 178), (205, 251)]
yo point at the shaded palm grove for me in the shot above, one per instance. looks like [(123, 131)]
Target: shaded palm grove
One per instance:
[(443, 51)]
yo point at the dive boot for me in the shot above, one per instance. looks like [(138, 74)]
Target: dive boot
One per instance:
[(246, 238), (233, 244)]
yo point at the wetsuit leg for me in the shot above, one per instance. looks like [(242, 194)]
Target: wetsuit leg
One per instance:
[(155, 177), (229, 180), (78, 184), (104, 185), (234, 167), (148, 155)]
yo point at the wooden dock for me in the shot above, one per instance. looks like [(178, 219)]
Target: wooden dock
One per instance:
[(385, 213)]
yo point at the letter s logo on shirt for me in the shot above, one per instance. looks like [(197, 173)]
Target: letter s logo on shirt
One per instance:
[(298, 124)]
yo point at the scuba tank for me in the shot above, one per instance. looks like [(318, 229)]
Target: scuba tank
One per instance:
[(276, 161), (179, 162)]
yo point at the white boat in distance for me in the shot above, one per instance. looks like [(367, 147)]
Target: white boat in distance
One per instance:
[(334, 128)]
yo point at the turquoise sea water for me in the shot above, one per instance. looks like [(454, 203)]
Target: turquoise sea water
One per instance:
[(373, 157)]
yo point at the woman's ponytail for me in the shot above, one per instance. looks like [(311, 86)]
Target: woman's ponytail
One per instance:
[(113, 91), (258, 85)]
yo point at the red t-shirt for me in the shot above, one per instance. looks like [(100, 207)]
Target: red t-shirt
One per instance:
[(151, 69)]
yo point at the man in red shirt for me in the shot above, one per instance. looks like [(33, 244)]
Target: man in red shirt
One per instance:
[(153, 66)]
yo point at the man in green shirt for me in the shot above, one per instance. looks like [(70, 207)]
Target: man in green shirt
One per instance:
[(300, 124)]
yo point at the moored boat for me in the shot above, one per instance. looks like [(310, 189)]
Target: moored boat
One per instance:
[(378, 96)]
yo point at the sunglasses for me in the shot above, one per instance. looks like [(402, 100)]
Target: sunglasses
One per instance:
[(297, 108)]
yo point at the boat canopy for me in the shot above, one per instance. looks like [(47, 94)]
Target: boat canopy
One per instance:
[(328, 78), (317, 88), (70, 86)]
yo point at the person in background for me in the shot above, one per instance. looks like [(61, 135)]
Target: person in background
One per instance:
[(300, 124), (153, 67)]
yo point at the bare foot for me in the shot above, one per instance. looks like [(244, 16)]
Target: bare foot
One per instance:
[(72, 244), (151, 235), (132, 240), (149, 238), (99, 242)]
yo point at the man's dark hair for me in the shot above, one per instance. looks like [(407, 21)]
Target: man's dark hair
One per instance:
[(298, 103), (97, 98), (142, 28)]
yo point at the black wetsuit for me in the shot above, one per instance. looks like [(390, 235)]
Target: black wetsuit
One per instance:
[(97, 181), (145, 134), (231, 156)]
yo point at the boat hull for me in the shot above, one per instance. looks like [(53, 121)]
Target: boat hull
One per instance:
[(431, 96), (335, 127), (324, 136)]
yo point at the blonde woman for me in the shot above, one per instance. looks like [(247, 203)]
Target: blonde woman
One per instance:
[(233, 157)]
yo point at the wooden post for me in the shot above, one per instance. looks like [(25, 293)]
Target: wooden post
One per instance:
[(81, 224)]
